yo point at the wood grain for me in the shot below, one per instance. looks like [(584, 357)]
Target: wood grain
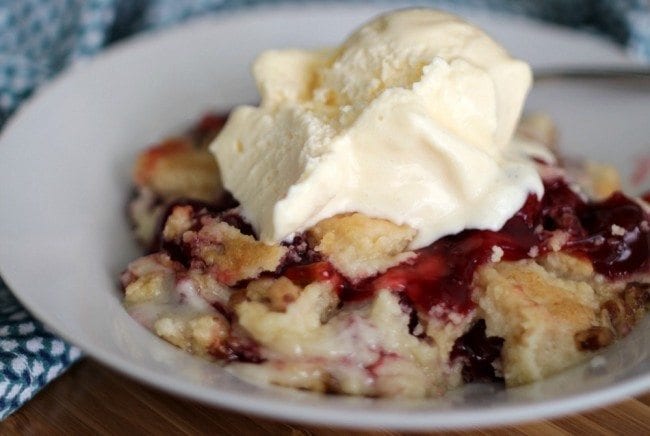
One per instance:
[(92, 399)]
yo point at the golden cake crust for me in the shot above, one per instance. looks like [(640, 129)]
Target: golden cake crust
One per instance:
[(360, 246)]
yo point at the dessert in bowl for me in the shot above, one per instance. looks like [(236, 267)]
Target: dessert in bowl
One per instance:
[(377, 227)]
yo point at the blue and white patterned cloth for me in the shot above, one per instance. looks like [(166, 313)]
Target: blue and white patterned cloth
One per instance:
[(30, 356), (38, 38)]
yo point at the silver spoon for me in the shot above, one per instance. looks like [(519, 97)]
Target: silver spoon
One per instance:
[(640, 74)]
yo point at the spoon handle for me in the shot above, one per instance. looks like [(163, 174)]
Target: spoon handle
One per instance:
[(639, 74)]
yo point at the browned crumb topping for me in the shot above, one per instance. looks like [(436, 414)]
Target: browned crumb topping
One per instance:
[(359, 246), (538, 314), (176, 169), (231, 255), (277, 293), (593, 338), (179, 221), (627, 308)]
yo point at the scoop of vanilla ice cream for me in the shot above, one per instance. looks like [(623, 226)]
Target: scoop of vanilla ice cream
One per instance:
[(409, 120)]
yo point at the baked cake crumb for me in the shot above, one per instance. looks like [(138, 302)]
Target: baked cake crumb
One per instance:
[(231, 255), (618, 230), (360, 246), (497, 254), (537, 314), (347, 308)]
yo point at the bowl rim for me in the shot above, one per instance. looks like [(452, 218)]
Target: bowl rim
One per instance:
[(305, 413)]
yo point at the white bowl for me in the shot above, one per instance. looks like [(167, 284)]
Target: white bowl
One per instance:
[(65, 162)]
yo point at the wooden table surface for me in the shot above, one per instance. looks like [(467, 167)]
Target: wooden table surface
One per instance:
[(92, 399)]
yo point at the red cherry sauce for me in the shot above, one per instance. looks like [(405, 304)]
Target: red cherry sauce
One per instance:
[(206, 129), (478, 351), (303, 275), (615, 236), (440, 276)]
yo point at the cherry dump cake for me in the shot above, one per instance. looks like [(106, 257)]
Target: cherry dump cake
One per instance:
[(356, 238)]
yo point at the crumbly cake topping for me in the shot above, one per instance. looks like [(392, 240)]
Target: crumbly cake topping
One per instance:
[(347, 308), (359, 246)]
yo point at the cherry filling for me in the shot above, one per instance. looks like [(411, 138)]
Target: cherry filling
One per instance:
[(478, 352), (303, 275), (646, 196), (442, 274), (207, 127), (614, 234)]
